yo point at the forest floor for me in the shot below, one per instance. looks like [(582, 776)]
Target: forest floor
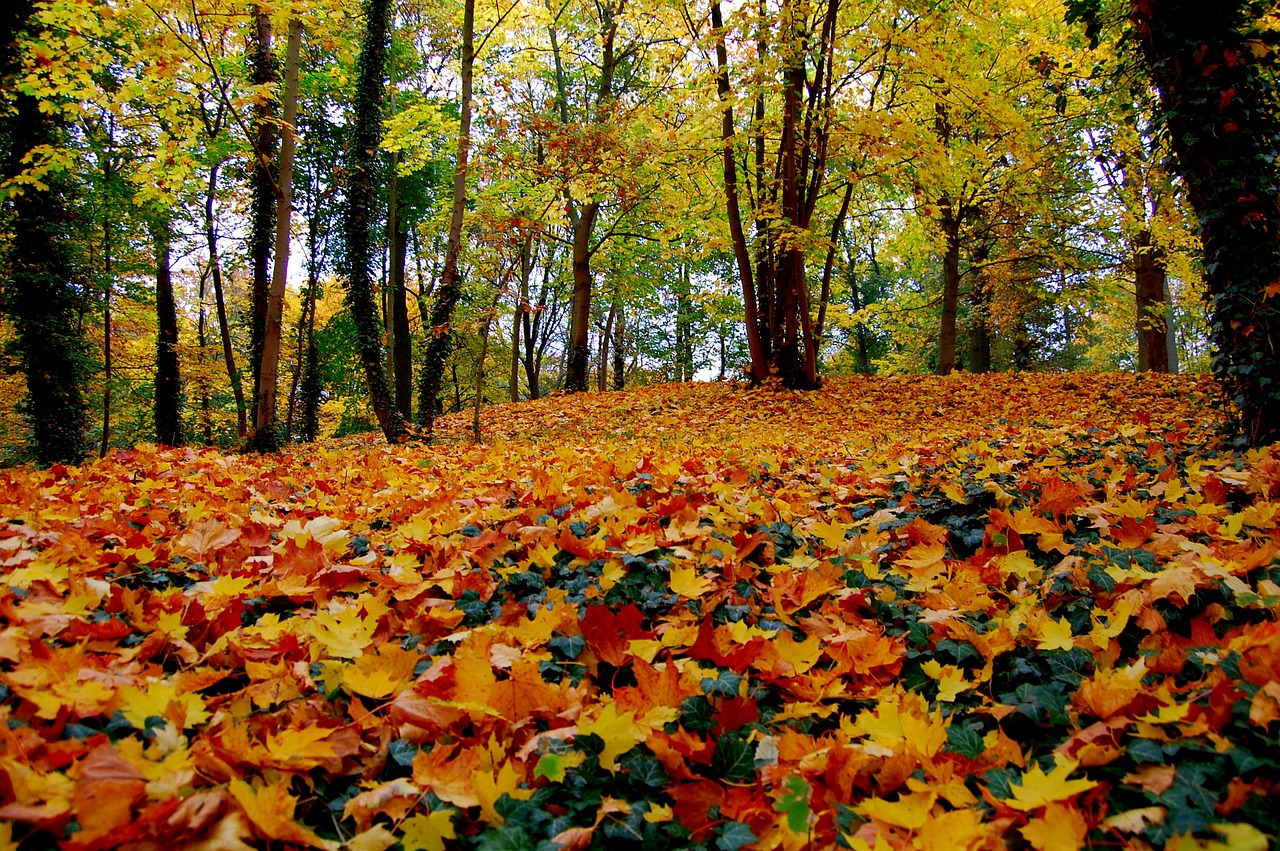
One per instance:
[(935, 613)]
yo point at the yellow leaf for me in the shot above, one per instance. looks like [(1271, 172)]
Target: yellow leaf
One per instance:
[(831, 534), (1235, 837), (658, 813), (301, 748), (428, 833), (381, 675), (490, 787), (1055, 634), (376, 838), (1061, 828), (344, 633), (619, 732), (1038, 789), (270, 808), (686, 581), (908, 811), (957, 830), (951, 681)]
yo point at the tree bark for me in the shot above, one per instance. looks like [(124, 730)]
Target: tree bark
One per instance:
[(950, 289), (619, 352), (220, 304), (1152, 310), (1218, 100), (358, 224), (107, 366), (168, 387), (263, 183), (41, 291), (266, 431), (580, 305), (741, 253), (439, 340)]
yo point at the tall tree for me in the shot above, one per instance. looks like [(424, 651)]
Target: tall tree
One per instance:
[(799, 41), (449, 290), (41, 286), (266, 433), (168, 402), (1216, 69), (264, 187), (358, 220)]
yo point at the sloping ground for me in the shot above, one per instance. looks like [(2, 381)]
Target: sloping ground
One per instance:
[(911, 613)]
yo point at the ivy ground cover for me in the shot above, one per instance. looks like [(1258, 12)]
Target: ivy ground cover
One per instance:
[(961, 613)]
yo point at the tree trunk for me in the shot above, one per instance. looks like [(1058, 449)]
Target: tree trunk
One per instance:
[(266, 431), (40, 294), (579, 354), (107, 366), (741, 253), (1218, 98), (358, 212), (402, 340), (1152, 311), (950, 289), (263, 206), (439, 340), (168, 388), (832, 245), (220, 304), (619, 353)]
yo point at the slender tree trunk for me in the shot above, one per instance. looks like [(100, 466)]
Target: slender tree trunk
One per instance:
[(950, 290), (266, 431), (759, 364), (580, 305), (619, 352), (107, 366), (439, 339), (402, 339), (311, 386), (168, 400), (1171, 330), (832, 245), (263, 208), (606, 336), (220, 304), (358, 215), (305, 321), (202, 340), (1152, 310), (517, 318)]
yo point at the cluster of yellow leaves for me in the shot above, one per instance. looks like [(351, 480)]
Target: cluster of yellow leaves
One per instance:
[(863, 588)]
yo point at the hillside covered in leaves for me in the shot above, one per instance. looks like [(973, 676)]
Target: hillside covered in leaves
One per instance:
[(933, 613)]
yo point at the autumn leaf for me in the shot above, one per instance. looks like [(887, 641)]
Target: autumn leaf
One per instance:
[(429, 832), (1038, 788), (269, 809)]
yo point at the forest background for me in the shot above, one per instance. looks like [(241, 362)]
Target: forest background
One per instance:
[(278, 222)]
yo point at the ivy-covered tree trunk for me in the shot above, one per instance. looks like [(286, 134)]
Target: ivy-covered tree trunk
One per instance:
[(168, 401), (262, 212), (358, 216), (39, 281), (1218, 95), (440, 337)]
